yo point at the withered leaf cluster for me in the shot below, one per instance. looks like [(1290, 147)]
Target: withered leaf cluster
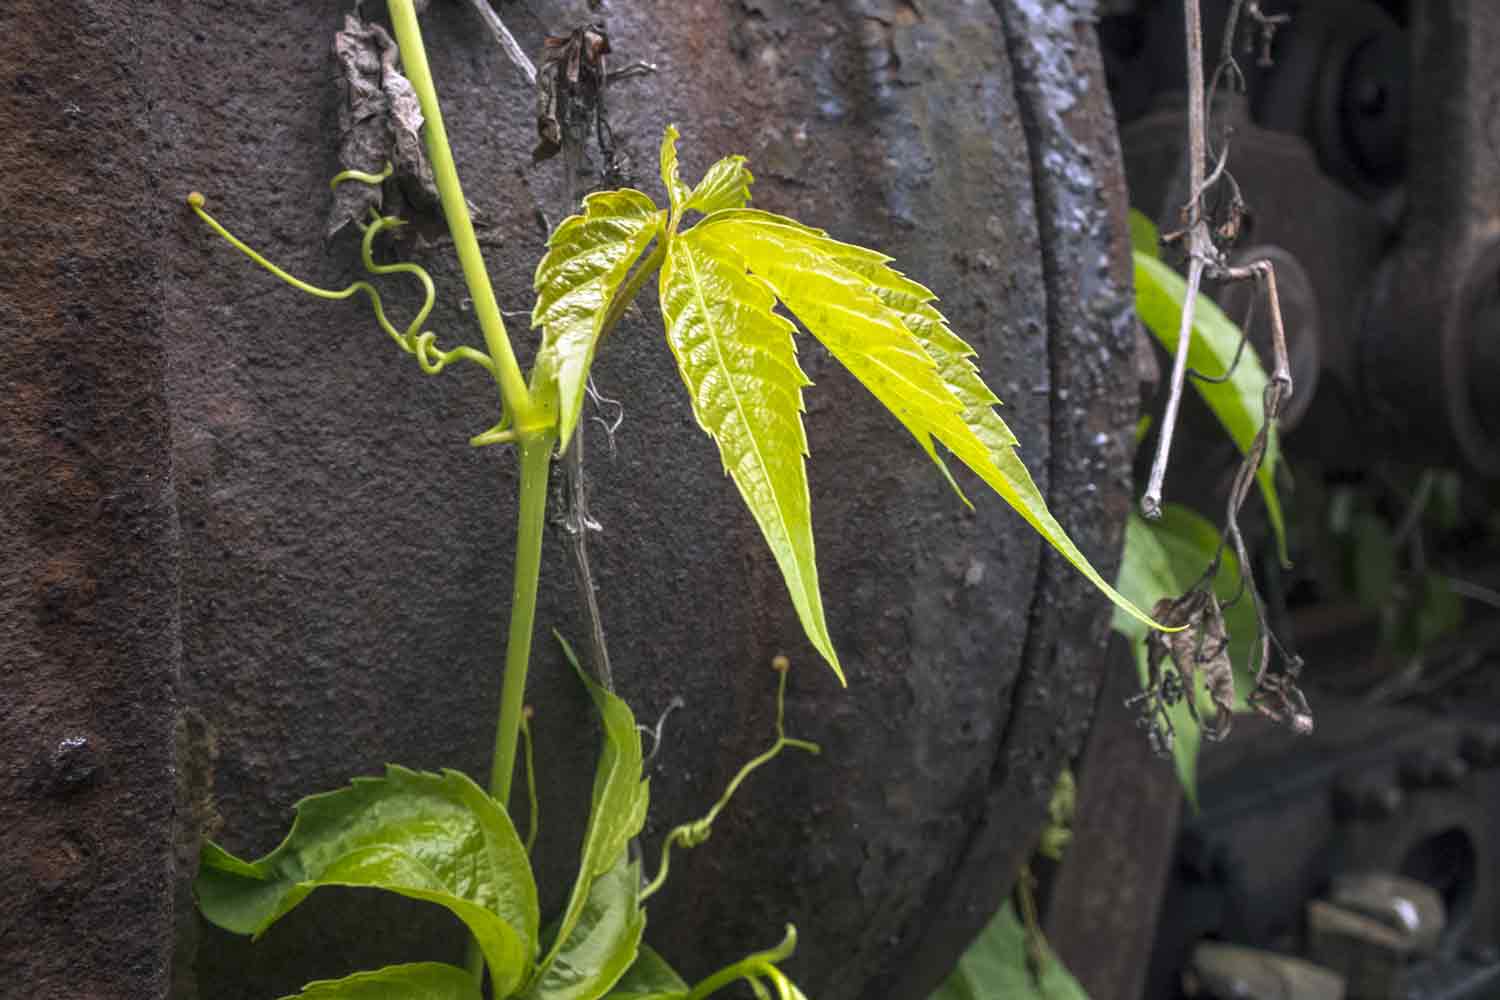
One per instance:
[(570, 89), (380, 122), (1202, 648)]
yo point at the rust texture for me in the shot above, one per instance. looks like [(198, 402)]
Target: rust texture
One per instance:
[(345, 555), (1084, 254), (88, 601), (1104, 904)]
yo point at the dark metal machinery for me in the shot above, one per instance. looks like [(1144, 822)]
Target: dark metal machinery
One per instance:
[(1367, 148)]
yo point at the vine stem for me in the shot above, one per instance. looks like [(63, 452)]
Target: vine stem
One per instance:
[(525, 415), (536, 461)]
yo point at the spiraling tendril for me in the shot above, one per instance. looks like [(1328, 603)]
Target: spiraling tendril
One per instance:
[(413, 340), (695, 833)]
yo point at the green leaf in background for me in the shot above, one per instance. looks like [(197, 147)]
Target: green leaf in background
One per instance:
[(603, 943), (650, 978), (1434, 611), (997, 966), (738, 361), (588, 258), (1372, 559), (840, 292), (1238, 403), (434, 837), (1143, 235), (617, 813), (1165, 558), (418, 981)]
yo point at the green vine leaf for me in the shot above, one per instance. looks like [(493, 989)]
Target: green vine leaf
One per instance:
[(883, 327), (417, 981), (650, 978), (588, 258), (434, 837), (604, 942), (739, 363), (726, 185), (999, 966), (617, 813), (1238, 403)]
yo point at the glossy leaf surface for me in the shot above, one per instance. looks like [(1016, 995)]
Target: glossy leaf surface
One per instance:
[(997, 966), (1164, 559), (650, 978), (434, 837), (603, 943), (617, 813), (1238, 403), (418, 981), (588, 258), (839, 292), (739, 363)]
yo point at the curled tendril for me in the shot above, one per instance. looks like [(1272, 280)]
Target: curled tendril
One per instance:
[(695, 833), (757, 970), (421, 345), (361, 177)]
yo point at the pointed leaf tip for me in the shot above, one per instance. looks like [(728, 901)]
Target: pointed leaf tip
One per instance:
[(739, 362), (884, 328)]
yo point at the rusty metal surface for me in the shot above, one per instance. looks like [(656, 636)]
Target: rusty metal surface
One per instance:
[(88, 616), (343, 553), (1103, 906), (1071, 138), (1427, 352)]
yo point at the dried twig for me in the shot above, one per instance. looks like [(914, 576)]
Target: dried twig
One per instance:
[(1276, 694), (1200, 245), (507, 41)]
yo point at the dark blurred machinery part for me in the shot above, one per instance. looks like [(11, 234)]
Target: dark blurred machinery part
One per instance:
[(1369, 850), (1367, 148), (1365, 861)]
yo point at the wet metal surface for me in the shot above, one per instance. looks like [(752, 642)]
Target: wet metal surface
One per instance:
[(344, 553)]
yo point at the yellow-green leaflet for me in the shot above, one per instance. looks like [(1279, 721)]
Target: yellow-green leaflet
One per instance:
[(884, 329), (739, 363), (588, 258)]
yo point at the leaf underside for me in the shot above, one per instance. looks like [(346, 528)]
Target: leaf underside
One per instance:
[(417, 981), (433, 837)]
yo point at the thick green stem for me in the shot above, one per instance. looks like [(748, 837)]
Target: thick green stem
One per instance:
[(513, 391), (536, 458)]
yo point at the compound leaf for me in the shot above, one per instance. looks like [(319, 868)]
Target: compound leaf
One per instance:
[(434, 837), (588, 258), (417, 981), (617, 813), (739, 363), (1237, 402), (883, 327)]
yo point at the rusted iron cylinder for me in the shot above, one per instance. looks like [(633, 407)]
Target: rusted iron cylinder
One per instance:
[(344, 555)]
